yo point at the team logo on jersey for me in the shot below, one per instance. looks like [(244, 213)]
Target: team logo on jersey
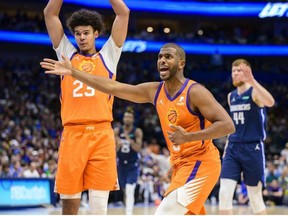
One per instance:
[(257, 147), (87, 66), (161, 101), (181, 101), (172, 115), (245, 97)]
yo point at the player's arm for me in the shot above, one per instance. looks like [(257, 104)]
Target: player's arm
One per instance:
[(259, 94), (137, 144), (226, 143), (134, 93), (52, 21), (120, 24), (117, 138), (228, 99), (142, 93), (201, 101)]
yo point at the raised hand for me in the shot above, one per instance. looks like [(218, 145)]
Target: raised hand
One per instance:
[(63, 68), (246, 75)]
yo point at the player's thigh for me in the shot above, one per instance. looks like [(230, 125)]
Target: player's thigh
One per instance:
[(253, 163), (72, 161), (122, 171), (101, 170), (231, 167), (132, 174), (199, 180)]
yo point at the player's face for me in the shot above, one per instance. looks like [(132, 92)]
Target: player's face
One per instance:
[(236, 73), (85, 38), (128, 119), (168, 63)]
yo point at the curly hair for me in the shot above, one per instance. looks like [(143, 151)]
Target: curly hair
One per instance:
[(85, 17)]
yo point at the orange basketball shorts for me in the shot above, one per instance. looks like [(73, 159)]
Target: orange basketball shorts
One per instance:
[(87, 159), (194, 181)]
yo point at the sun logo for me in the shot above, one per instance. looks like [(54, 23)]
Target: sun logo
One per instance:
[(172, 115), (87, 66)]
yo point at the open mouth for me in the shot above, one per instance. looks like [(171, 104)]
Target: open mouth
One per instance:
[(164, 70)]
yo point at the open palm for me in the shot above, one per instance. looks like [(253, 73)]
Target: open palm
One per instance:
[(56, 67)]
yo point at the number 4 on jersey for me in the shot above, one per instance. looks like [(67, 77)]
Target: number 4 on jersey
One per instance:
[(238, 117)]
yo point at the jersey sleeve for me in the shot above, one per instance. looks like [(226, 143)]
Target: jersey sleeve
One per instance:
[(111, 54), (65, 47)]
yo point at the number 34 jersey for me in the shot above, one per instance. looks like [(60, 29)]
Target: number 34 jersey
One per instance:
[(249, 119), (81, 104)]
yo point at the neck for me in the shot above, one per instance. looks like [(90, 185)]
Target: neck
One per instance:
[(174, 85), (243, 88), (128, 127)]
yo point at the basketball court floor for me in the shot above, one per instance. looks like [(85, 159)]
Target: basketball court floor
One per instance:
[(139, 209)]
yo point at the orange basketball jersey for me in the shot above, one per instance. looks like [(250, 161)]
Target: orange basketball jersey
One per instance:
[(82, 104), (176, 111)]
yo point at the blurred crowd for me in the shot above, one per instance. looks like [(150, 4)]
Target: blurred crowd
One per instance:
[(199, 31)]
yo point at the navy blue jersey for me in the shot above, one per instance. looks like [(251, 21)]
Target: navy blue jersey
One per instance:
[(126, 154), (249, 119)]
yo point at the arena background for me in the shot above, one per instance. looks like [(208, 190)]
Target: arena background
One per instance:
[(213, 33)]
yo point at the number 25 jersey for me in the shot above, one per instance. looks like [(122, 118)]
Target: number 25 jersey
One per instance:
[(81, 104)]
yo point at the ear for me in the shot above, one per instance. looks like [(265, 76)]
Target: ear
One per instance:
[(182, 63), (96, 34)]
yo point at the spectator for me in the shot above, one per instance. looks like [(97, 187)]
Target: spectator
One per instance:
[(32, 171), (273, 194)]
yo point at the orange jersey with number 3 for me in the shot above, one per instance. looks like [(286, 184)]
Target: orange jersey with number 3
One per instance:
[(82, 104), (196, 164)]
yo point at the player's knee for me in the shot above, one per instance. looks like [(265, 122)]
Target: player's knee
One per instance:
[(227, 187), (71, 196), (170, 205), (165, 208), (256, 198), (130, 189), (98, 201)]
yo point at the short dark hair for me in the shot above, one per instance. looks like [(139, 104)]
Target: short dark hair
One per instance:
[(130, 110), (179, 49), (86, 17)]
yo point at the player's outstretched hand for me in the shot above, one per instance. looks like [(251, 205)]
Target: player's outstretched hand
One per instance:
[(63, 68)]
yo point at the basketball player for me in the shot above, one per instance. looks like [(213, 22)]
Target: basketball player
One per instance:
[(245, 151), (128, 144), (190, 118), (87, 157)]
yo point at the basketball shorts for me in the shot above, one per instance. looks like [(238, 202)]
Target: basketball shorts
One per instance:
[(248, 158), (194, 182), (87, 159), (128, 173)]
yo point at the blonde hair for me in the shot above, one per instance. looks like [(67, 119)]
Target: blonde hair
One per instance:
[(237, 62)]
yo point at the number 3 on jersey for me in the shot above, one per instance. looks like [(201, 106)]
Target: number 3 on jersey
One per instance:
[(81, 90), (238, 116)]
